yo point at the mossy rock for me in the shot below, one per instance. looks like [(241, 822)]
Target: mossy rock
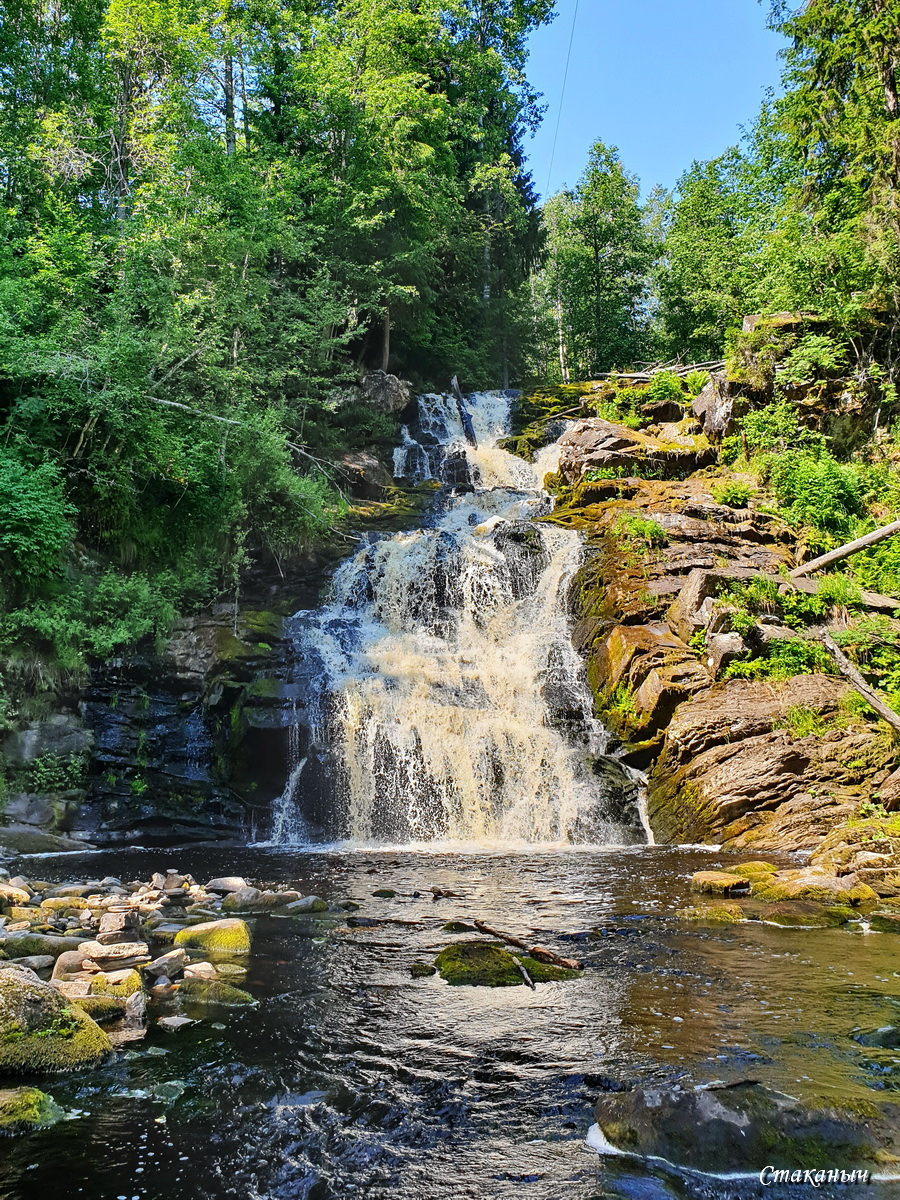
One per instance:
[(458, 927), (756, 869), (264, 625), (24, 945), (385, 893), (265, 688), (213, 991), (719, 883), (490, 964), (420, 970), (40, 1031), (719, 914), (228, 936), (63, 904), (805, 914), (885, 922), (120, 986), (27, 1108), (101, 1009)]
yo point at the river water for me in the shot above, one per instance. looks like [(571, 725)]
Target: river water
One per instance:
[(445, 740), (351, 1078)]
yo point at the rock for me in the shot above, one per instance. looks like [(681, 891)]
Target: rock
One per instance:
[(228, 883), (25, 839), (10, 895), (420, 970), (719, 883), (745, 1126), (21, 945), (120, 955), (61, 735), (27, 1108), (119, 984), (488, 964), (228, 936), (169, 965), (202, 992), (815, 884), (386, 392), (173, 1024), (117, 925), (885, 922), (887, 1037), (40, 1031), (722, 649), (202, 970), (72, 989), (594, 442), (804, 914), (366, 477), (720, 914), (713, 407), (102, 1009), (307, 904), (241, 899), (36, 962)]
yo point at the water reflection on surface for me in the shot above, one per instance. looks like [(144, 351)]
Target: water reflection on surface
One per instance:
[(352, 1079)]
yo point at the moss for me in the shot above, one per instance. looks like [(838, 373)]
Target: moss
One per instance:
[(23, 945), (64, 1043), (27, 1108), (719, 883), (229, 936), (489, 964), (385, 893), (885, 922), (213, 991), (805, 915), (102, 985), (101, 1009), (458, 927), (63, 904), (722, 914), (266, 688), (420, 970), (756, 869), (264, 625), (229, 648)]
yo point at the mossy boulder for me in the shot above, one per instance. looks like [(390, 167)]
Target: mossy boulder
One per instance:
[(458, 927), (756, 869), (213, 992), (885, 922), (27, 1108), (490, 964), (718, 914), (41, 1031), (420, 970), (805, 914), (102, 1009), (385, 893), (719, 883), (24, 945), (228, 936), (118, 984)]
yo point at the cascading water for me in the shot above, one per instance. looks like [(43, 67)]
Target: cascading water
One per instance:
[(445, 701)]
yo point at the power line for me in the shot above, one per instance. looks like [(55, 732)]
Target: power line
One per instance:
[(562, 96)]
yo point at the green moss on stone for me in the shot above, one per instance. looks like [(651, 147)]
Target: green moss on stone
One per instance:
[(24, 945), (101, 1009), (102, 985), (213, 991), (27, 1108), (385, 893), (489, 964), (229, 936), (721, 914), (420, 970), (458, 927)]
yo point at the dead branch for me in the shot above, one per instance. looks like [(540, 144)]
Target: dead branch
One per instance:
[(540, 953), (847, 669), (825, 560)]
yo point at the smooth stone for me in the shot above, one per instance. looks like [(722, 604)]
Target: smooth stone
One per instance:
[(173, 1024)]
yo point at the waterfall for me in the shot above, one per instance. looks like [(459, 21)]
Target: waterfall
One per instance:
[(445, 699)]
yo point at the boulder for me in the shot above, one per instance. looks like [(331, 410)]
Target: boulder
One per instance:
[(488, 964), (595, 443), (59, 736), (212, 992), (366, 477), (227, 883), (719, 883), (386, 392), (306, 904), (27, 1108), (744, 1126), (119, 984), (40, 1031), (713, 407), (170, 965), (228, 936)]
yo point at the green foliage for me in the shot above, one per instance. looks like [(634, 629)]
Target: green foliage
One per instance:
[(812, 488), (732, 492), (35, 521), (634, 530), (665, 385), (56, 773), (802, 721), (696, 381), (785, 659), (814, 354)]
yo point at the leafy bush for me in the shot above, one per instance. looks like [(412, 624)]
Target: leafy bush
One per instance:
[(632, 529), (664, 385), (732, 492), (696, 381), (813, 488), (35, 520), (814, 354), (801, 721), (785, 659)]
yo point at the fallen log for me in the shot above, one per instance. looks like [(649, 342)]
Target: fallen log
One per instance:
[(540, 953), (847, 669), (468, 427), (833, 556), (528, 980)]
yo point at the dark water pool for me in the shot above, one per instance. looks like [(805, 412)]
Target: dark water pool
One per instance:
[(351, 1079)]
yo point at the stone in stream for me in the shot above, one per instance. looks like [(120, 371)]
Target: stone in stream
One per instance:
[(490, 964), (717, 914), (173, 1024), (743, 1126), (119, 956), (40, 1031), (123, 983), (13, 895), (306, 904), (719, 883), (227, 936), (169, 965), (204, 992), (885, 922), (201, 970), (36, 962), (27, 1108), (227, 883)]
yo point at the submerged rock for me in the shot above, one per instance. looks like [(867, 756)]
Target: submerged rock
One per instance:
[(41, 1031), (719, 914), (489, 964), (228, 936), (743, 1126), (213, 992)]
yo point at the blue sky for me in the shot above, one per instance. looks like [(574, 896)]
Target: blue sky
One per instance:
[(667, 81)]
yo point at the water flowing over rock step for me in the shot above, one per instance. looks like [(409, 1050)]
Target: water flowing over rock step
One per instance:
[(443, 696)]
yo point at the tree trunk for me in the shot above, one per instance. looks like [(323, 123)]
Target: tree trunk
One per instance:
[(386, 339), (833, 556), (245, 112), (564, 370), (847, 669), (230, 135)]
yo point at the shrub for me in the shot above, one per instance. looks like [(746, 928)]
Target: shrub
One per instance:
[(786, 659), (664, 385), (814, 354), (732, 493), (813, 488), (35, 520), (696, 381)]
